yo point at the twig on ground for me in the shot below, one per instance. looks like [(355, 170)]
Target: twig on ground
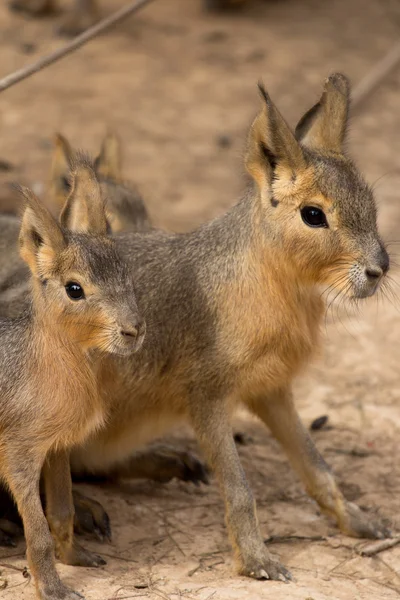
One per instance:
[(128, 597), (168, 525), (15, 555), (19, 569), (203, 558), (395, 573), (357, 452), (379, 546), (119, 557), (73, 45)]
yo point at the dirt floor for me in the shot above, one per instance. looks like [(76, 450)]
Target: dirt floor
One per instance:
[(179, 87)]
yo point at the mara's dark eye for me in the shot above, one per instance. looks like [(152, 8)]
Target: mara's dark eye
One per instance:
[(74, 290), (313, 216)]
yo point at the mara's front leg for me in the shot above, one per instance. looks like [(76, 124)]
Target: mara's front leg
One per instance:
[(21, 471), (278, 412), (210, 420)]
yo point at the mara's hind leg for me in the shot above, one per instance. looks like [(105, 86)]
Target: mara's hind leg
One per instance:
[(60, 512), (83, 15), (279, 414)]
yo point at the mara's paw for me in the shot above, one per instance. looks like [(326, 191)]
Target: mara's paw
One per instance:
[(164, 464), (90, 517), (266, 568), (80, 557), (358, 523), (189, 468)]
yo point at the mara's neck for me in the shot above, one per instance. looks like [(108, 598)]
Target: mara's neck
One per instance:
[(259, 301), (62, 376), (65, 376), (54, 349)]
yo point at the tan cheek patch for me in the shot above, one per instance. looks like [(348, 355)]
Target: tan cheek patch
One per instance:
[(336, 274), (94, 330)]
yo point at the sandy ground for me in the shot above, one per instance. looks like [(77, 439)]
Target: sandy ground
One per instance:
[(179, 87)]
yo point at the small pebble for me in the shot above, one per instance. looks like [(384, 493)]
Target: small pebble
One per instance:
[(6, 166), (224, 140), (215, 36), (28, 48), (319, 423), (256, 56)]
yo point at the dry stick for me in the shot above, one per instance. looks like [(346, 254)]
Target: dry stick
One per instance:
[(77, 42), (380, 546), (375, 77)]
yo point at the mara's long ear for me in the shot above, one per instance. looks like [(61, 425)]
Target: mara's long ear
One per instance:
[(60, 181), (271, 145), (108, 163), (324, 126), (41, 239), (84, 210)]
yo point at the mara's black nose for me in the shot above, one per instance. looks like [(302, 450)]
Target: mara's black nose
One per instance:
[(373, 273), (129, 332), (380, 268), (133, 330)]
